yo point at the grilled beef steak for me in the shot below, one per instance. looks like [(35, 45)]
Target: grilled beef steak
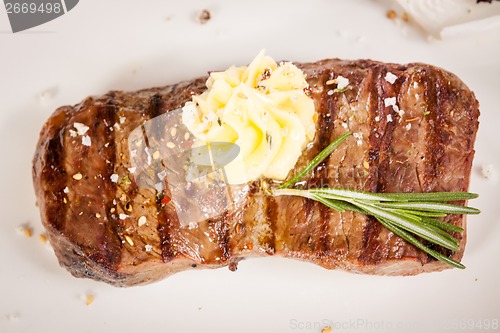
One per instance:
[(103, 225)]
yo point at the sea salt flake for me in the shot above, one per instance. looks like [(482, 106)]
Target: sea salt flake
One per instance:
[(377, 118), (86, 141), (161, 175), (150, 157), (123, 216), (81, 128), (114, 178), (66, 190), (148, 247), (159, 187), (342, 82), (391, 78), (408, 126), (389, 118), (132, 170), (390, 101)]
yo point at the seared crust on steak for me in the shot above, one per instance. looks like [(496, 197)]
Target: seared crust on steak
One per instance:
[(425, 144)]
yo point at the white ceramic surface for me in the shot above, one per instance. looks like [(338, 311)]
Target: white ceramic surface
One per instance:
[(104, 45)]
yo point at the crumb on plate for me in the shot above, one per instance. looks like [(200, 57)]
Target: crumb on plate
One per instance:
[(488, 171), (89, 299), (42, 238), (25, 230), (391, 14), (204, 16)]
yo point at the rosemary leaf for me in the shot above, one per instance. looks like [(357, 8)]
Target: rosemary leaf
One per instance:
[(317, 160), (432, 207), (416, 228), (412, 240), (431, 196), (442, 225)]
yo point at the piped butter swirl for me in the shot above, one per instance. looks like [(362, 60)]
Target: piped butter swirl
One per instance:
[(264, 108)]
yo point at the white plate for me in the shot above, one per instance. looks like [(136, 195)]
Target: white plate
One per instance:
[(104, 45)]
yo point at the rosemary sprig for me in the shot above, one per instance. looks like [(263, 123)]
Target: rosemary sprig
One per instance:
[(411, 216)]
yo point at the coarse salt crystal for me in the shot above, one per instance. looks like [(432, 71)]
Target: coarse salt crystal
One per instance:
[(148, 247), (122, 120), (86, 141), (72, 133), (342, 82), (391, 78), (408, 126), (358, 136), (114, 178), (141, 221), (123, 216), (390, 101), (66, 190), (330, 92), (132, 170), (161, 175), (377, 118), (159, 187), (81, 128), (389, 118), (149, 158)]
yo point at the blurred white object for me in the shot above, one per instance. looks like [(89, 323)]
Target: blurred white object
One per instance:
[(442, 18), (488, 172)]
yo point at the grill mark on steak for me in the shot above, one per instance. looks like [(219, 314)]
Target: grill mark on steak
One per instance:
[(155, 105), (167, 220), (434, 151), (222, 230), (373, 250), (110, 246), (325, 133)]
